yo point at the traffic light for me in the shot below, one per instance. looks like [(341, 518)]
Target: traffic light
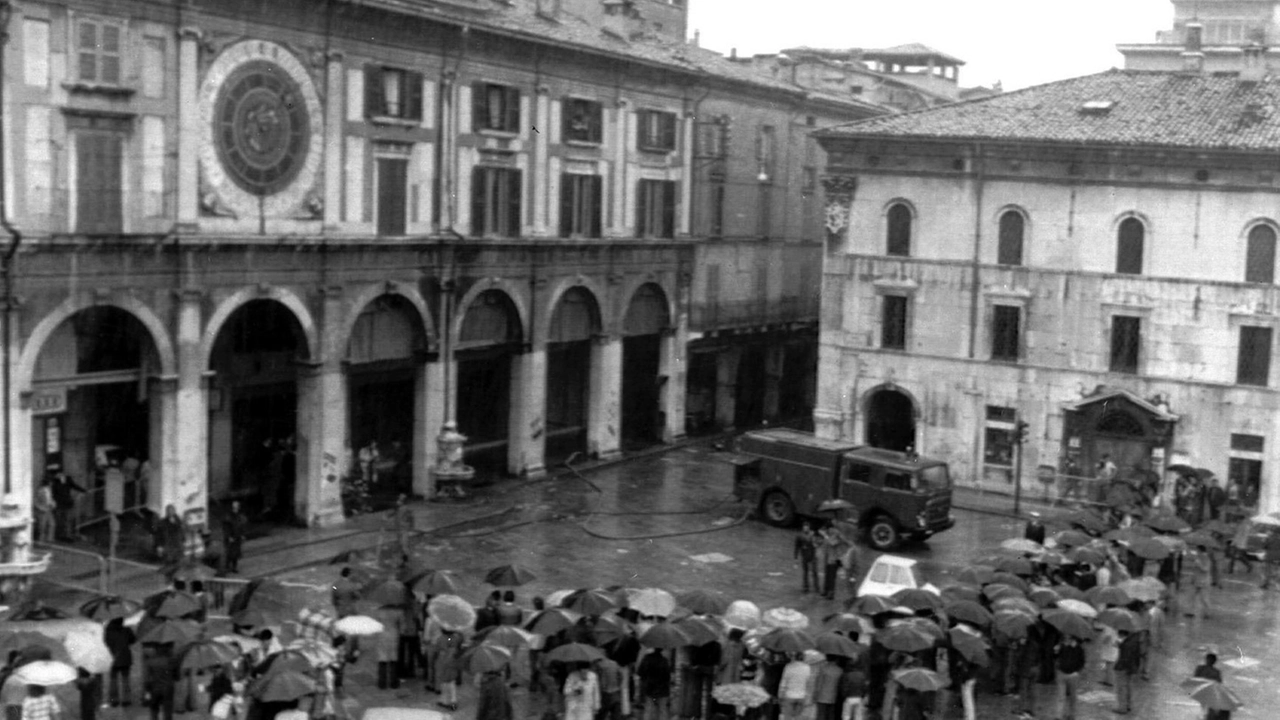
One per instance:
[(1021, 429)]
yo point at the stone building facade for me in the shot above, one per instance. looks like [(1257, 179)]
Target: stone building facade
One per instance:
[(1094, 257), (248, 240)]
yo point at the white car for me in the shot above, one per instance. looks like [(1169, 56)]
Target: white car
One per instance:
[(891, 573)]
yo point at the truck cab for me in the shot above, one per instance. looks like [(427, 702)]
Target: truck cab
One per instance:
[(892, 496)]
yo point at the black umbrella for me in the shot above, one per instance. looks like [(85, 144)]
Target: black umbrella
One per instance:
[(575, 653), (703, 602), (109, 607), (172, 604), (787, 640), (665, 635), (509, 576), (282, 687)]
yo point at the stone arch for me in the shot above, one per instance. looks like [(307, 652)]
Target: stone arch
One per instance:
[(890, 428), (336, 347), (1013, 232), (25, 369), (894, 387), (899, 227), (661, 294), (563, 286), (476, 290), (238, 299), (629, 293)]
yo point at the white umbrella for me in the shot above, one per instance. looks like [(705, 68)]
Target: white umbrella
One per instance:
[(358, 625), (45, 672), (88, 651), (785, 618), (557, 597), (651, 601), (1079, 607), (742, 614)]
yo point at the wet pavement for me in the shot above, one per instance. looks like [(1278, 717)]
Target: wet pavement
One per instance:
[(669, 520)]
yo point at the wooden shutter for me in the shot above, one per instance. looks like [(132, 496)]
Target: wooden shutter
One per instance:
[(642, 210), (392, 192), (668, 209), (412, 95), (595, 115), (668, 121), (513, 203), (479, 106), (511, 117), (566, 205), (374, 102), (478, 201), (597, 206), (98, 192)]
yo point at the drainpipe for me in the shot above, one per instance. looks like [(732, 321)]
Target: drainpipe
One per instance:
[(975, 290), (15, 240)]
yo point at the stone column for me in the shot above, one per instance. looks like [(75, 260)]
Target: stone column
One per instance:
[(428, 418), (321, 443), (188, 185), (526, 433), (673, 369), (179, 452), (22, 470), (335, 119), (604, 398), (727, 386)]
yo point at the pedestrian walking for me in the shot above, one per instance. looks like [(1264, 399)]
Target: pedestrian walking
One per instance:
[(46, 512), (493, 700), (654, 673), (830, 549), (65, 492), (448, 668), (119, 639), (1127, 665), (1108, 653), (1215, 498), (40, 705), (1209, 671), (159, 681), (89, 687), (235, 526), (793, 691), (345, 594), (1201, 579), (581, 694), (851, 566), (826, 688), (404, 521), (1271, 558), (387, 647), (1070, 661), (609, 675), (853, 691), (964, 676), (169, 536), (806, 551)]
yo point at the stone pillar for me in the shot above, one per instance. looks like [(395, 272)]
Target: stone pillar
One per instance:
[(604, 398), (428, 418), (22, 470), (774, 360), (188, 185), (727, 386), (539, 174), (621, 187), (526, 433), (179, 452), (685, 218), (335, 120), (673, 373), (322, 443)]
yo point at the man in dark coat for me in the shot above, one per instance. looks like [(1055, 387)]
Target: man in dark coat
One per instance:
[(119, 640), (159, 681), (64, 502), (806, 551), (1127, 665), (1034, 530), (493, 702), (234, 528), (654, 673)]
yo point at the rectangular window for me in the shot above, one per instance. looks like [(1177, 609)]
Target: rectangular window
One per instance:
[(710, 140), (392, 93), (495, 202), (656, 209), (153, 70), (1126, 339), (893, 322), (581, 205), (998, 444), (1253, 366), (715, 209), (1006, 331), (35, 52), (1247, 443), (153, 166), (1246, 475), (656, 131), (766, 140), (583, 121), (98, 183), (98, 52), (999, 413), (998, 448), (393, 181), (495, 107)]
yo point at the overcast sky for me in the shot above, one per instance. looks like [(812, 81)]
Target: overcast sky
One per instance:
[(1019, 42)]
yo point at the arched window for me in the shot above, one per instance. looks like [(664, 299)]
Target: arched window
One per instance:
[(1012, 225), (899, 235), (1129, 246), (1260, 257)]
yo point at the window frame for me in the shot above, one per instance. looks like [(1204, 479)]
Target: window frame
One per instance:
[(380, 197), (595, 122), (584, 207), (656, 131), (485, 214), (121, 27), (410, 89), (709, 140), (1125, 260), (510, 111), (901, 323), (86, 195), (649, 211), (1259, 262), (1254, 376), (1125, 353), (898, 232), (1010, 250), (1000, 336)]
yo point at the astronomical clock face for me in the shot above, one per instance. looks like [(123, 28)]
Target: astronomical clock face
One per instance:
[(261, 148)]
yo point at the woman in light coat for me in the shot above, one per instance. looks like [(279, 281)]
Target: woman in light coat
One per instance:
[(581, 694)]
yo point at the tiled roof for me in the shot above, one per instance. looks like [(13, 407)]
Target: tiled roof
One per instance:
[(1161, 109), (914, 50)]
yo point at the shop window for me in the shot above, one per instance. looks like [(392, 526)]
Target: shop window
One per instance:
[(1126, 339), (583, 121), (392, 93), (1260, 260), (1006, 332), (998, 443), (495, 107), (657, 130), (893, 322), (1246, 474), (1253, 366)]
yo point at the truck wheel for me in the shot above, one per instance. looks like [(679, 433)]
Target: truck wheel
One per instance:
[(883, 533), (778, 509)]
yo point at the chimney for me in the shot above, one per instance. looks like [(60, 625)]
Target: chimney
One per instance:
[(733, 53), (697, 38), (1192, 55), (1255, 63)]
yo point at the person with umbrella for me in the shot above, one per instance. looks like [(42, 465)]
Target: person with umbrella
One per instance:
[(1070, 661), (793, 690), (387, 647), (493, 700), (40, 705), (581, 693), (826, 687), (119, 640), (831, 545), (654, 673), (609, 674), (806, 551), (1209, 671), (1034, 529), (448, 667), (852, 691), (1127, 665), (231, 705), (89, 687), (159, 673)]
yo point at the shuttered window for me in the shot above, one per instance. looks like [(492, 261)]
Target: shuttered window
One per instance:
[(1260, 261), (98, 183), (583, 121), (657, 131), (495, 202), (392, 92), (98, 52), (1129, 241), (581, 205), (495, 107), (1006, 332), (393, 176), (656, 208)]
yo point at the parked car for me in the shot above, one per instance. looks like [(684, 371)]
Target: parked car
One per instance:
[(891, 573)]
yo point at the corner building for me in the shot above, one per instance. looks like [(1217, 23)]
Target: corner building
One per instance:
[(248, 239), (1094, 257)]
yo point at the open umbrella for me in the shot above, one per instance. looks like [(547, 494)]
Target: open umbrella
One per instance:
[(1120, 619), (509, 576), (575, 653), (321, 654), (1214, 695), (109, 607), (1149, 549), (285, 686), (170, 632), (976, 574), (452, 612), (36, 610), (1012, 604), (486, 658), (1201, 538), (251, 617), (917, 599), (1071, 538), (1146, 588), (1022, 545), (844, 622), (787, 640), (86, 649), (1013, 581), (664, 635), (357, 625), (205, 653), (701, 630), (970, 645), (386, 593), (908, 637), (1087, 520), (1068, 592), (1167, 522), (1180, 469), (436, 582), (1068, 623), (918, 678), (655, 602), (970, 612), (1079, 607), (188, 570), (30, 644), (172, 604), (997, 591), (593, 602), (1044, 597), (872, 605), (1015, 565), (829, 643), (704, 602), (552, 621), (1108, 595), (781, 617), (510, 636), (45, 672), (961, 591), (742, 614), (1049, 557), (1012, 624), (286, 661), (1086, 555), (1129, 534)]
